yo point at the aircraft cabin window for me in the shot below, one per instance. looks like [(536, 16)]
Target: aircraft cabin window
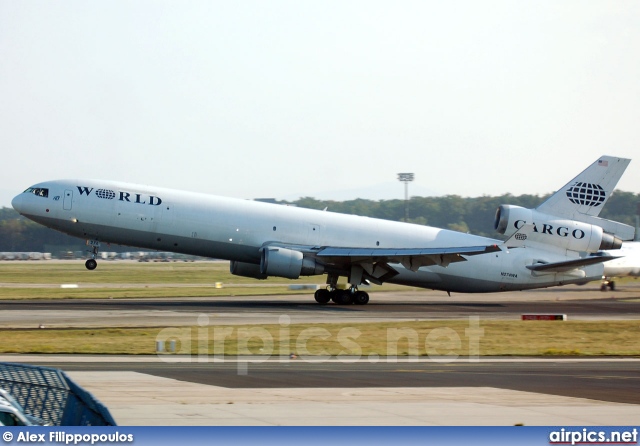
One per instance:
[(38, 191)]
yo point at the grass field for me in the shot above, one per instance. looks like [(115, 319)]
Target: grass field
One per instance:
[(590, 338), (127, 279), (109, 272)]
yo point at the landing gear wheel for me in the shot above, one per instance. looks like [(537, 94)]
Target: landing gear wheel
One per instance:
[(361, 298), (342, 297), (603, 287), (322, 296), (91, 264), (612, 285)]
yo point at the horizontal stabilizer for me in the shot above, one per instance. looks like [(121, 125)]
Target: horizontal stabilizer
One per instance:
[(620, 230), (568, 265)]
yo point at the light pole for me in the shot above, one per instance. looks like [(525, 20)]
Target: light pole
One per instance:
[(637, 237), (406, 178)]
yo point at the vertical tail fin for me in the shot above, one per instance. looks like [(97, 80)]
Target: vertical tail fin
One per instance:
[(587, 193), (583, 198)]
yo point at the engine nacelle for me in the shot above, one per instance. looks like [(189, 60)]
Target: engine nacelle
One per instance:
[(246, 270), (566, 234), (288, 263)]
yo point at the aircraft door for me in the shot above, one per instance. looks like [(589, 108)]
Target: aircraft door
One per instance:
[(68, 199)]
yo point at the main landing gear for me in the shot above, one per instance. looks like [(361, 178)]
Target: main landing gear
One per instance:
[(606, 282), (342, 297), (91, 263)]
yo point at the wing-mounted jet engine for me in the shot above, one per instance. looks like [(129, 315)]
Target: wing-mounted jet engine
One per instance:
[(279, 262)]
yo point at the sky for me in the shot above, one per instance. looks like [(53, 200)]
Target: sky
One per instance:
[(329, 99)]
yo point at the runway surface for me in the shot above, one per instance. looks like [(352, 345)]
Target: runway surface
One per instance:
[(585, 302), (601, 379), (494, 391)]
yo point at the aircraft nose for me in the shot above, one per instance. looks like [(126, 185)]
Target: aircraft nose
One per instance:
[(17, 203)]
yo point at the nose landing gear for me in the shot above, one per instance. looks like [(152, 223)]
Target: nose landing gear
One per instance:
[(91, 263)]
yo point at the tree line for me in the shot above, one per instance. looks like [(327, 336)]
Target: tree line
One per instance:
[(473, 215)]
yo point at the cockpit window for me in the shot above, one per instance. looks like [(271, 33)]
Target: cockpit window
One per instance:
[(38, 191)]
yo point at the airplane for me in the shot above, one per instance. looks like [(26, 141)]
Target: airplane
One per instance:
[(546, 246), (626, 264)]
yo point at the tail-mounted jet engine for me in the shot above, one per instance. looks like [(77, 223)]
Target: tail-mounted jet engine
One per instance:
[(567, 234)]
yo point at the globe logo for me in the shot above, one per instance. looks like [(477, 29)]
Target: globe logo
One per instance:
[(586, 194), (106, 194)]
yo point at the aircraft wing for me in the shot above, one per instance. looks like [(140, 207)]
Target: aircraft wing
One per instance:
[(410, 258), (568, 265), (373, 264)]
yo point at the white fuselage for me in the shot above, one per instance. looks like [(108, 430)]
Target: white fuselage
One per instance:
[(628, 263), (233, 229)]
